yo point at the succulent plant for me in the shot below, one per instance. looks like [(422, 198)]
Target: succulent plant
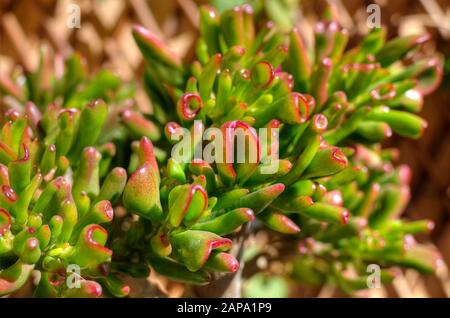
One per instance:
[(317, 114), (57, 186), (331, 107)]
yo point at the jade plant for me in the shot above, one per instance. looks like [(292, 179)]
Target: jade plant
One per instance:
[(330, 108), (57, 184), (90, 183)]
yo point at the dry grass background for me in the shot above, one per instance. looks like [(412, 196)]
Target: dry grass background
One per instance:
[(104, 39)]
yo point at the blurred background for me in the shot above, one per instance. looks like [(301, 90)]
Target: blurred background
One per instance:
[(104, 39)]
